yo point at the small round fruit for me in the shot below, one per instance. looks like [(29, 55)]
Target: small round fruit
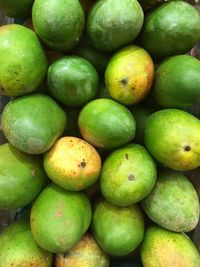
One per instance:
[(118, 230), (60, 218), (73, 81), (23, 63), (177, 82), (22, 177), (106, 123), (128, 175), (172, 137), (86, 253), (20, 249), (114, 23), (72, 163), (16, 9), (163, 248), (173, 203), (32, 123), (170, 29), (59, 23), (129, 75)]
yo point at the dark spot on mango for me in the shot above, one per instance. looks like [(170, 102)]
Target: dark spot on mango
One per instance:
[(83, 164), (187, 148), (65, 255), (131, 177), (124, 81), (126, 156)]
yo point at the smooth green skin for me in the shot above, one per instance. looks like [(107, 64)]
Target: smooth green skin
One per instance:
[(68, 215), (141, 114), (106, 123), (72, 122), (118, 230), (97, 58), (23, 64), (113, 24), (168, 133), (128, 175), (177, 82), (172, 28), (163, 248), (22, 177), (16, 9), (173, 203), (33, 123), (59, 23), (20, 250), (73, 81)]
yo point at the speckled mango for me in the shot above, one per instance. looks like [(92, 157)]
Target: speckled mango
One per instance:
[(163, 248), (19, 249), (22, 177), (173, 203), (172, 137), (129, 75), (118, 230), (60, 218), (32, 123), (86, 253), (128, 175), (72, 163), (23, 64)]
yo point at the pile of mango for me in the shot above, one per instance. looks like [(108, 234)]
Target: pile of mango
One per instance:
[(102, 133)]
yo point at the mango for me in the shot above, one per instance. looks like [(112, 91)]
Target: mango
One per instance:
[(173, 137), (72, 163), (60, 218), (173, 203), (163, 248)]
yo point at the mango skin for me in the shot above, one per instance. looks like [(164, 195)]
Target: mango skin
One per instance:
[(176, 82), (23, 64), (111, 24), (73, 81), (86, 253), (68, 215), (106, 124), (128, 175), (162, 38), (22, 177), (72, 163), (129, 75), (32, 123), (62, 31), (163, 248), (172, 137), (118, 230), (19, 249), (173, 203)]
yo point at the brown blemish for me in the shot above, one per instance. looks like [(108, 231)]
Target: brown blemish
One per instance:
[(83, 164), (124, 81), (131, 177), (59, 213), (187, 148), (126, 156), (65, 255)]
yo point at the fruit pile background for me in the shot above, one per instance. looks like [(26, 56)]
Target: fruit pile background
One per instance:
[(99, 133)]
